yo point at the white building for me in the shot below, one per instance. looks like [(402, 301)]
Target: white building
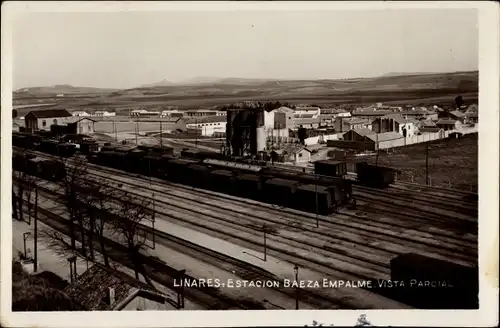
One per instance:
[(208, 126), (307, 112), (102, 113), (171, 113), (80, 113), (143, 112)]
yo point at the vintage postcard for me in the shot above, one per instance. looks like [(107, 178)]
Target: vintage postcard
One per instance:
[(197, 164)]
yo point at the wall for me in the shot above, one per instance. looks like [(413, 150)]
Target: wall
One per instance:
[(368, 145), (269, 119), (85, 126), (50, 121)]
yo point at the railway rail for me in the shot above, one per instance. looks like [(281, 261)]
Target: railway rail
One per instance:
[(229, 264)]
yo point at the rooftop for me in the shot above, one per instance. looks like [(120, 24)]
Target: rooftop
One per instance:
[(457, 113), (48, 113), (446, 121), (299, 121), (91, 289), (363, 131), (206, 119), (355, 120)]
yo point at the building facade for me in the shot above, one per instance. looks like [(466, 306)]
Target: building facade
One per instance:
[(208, 126), (42, 120), (80, 113)]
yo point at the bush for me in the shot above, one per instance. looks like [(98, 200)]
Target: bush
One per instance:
[(37, 293)]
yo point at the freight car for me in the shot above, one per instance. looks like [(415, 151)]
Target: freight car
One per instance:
[(40, 167), (238, 179), (375, 176)]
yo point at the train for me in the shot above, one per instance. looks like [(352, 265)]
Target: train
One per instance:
[(230, 177), (43, 168), (66, 146)]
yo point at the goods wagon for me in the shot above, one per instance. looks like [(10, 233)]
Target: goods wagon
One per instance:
[(176, 169), (157, 150), (87, 147), (279, 191), (330, 168), (24, 140), (312, 198), (457, 289), (222, 181), (249, 185), (375, 176), (200, 154), (40, 167), (54, 147), (196, 175)]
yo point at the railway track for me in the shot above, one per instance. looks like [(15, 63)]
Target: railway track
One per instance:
[(208, 297), (240, 268), (373, 236), (440, 192)]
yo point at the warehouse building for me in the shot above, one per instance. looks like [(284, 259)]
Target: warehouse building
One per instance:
[(350, 123), (41, 120), (208, 126)]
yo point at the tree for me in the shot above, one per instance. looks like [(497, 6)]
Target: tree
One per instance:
[(73, 180), (25, 185), (131, 212)]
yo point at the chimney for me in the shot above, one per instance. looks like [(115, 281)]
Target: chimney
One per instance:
[(111, 296)]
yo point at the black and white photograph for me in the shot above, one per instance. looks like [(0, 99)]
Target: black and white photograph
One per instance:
[(232, 156)]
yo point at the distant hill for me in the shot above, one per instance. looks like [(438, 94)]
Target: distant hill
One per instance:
[(63, 89), (394, 74), (162, 83)]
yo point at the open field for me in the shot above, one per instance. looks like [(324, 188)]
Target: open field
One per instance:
[(426, 89), (451, 161)]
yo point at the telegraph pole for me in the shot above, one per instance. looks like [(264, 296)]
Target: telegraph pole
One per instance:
[(316, 191), (265, 242), (35, 237), (116, 131), (427, 163), (161, 135)]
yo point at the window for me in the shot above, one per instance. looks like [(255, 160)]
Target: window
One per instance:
[(300, 154), (44, 123), (55, 121), (90, 127)]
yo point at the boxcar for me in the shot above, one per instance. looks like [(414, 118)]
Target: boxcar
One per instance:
[(330, 168), (310, 198), (45, 168), (176, 169), (87, 147), (66, 149), (19, 161), (375, 176), (248, 185), (222, 181), (279, 191), (197, 175)]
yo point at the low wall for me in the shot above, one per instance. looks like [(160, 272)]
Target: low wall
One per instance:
[(351, 144)]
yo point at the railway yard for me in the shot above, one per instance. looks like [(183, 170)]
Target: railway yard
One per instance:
[(235, 241)]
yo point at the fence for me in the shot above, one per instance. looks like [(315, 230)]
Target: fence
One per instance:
[(440, 183)]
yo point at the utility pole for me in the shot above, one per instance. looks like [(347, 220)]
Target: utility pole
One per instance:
[(316, 191), (161, 135), (265, 242), (116, 131), (137, 133), (35, 237), (427, 163), (196, 124), (154, 212), (376, 159)]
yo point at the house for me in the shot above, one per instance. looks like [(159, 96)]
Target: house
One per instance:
[(345, 124), (80, 113), (43, 119), (395, 123), (297, 154), (385, 140), (357, 134), (448, 124), (307, 123), (306, 110), (282, 117), (203, 113), (103, 113), (426, 124), (171, 113), (335, 112), (82, 126), (103, 289), (457, 115), (143, 112), (208, 125)]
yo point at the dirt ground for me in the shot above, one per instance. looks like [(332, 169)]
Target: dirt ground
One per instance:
[(452, 162)]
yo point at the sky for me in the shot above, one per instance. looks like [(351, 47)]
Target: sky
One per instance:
[(128, 49)]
